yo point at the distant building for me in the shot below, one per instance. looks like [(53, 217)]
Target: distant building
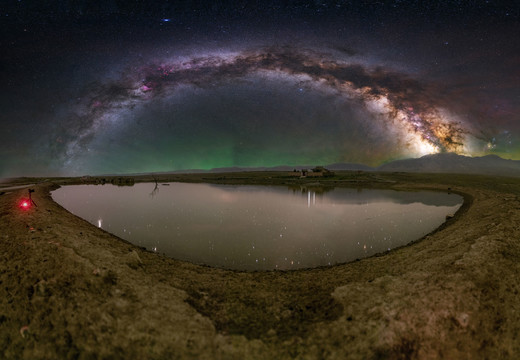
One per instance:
[(318, 171), (123, 181)]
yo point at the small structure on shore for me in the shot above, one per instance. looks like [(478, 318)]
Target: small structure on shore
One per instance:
[(318, 171), (119, 180)]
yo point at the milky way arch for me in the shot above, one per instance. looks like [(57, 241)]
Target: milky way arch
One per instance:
[(403, 102)]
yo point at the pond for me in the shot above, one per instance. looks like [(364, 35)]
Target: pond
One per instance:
[(260, 227)]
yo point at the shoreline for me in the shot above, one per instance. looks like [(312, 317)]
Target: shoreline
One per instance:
[(466, 203), (71, 289)]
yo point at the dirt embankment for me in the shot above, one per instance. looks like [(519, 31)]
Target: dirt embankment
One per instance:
[(71, 290)]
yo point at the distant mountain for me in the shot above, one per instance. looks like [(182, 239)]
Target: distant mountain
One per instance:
[(259, 168), (333, 167), (453, 163), (436, 163), (349, 167)]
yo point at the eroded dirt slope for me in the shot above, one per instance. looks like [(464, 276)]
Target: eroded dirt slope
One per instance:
[(71, 290)]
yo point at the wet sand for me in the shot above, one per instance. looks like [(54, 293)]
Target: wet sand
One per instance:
[(71, 290)]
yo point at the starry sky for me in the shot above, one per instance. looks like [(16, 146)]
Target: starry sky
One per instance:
[(113, 86)]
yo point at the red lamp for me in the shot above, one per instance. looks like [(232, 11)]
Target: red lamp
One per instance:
[(25, 204)]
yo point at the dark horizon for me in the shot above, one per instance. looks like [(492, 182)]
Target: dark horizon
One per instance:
[(497, 166)]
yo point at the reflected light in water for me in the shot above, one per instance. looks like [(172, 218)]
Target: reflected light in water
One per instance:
[(260, 227)]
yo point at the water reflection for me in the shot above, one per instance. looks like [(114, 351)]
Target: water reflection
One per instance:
[(260, 227)]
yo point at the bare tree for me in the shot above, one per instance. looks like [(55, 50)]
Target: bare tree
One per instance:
[(155, 189)]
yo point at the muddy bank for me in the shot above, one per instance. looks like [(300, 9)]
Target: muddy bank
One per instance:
[(71, 290)]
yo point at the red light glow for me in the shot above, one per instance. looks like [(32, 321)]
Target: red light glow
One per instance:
[(25, 204)]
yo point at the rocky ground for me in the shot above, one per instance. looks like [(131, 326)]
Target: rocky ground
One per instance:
[(71, 290)]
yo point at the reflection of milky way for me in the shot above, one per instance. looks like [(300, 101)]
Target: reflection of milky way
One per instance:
[(401, 101)]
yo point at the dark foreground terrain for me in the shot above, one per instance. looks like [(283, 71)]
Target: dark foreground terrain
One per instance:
[(71, 290)]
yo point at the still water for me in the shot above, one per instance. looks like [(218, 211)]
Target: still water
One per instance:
[(259, 227)]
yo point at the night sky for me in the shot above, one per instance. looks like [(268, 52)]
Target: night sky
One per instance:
[(115, 86)]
